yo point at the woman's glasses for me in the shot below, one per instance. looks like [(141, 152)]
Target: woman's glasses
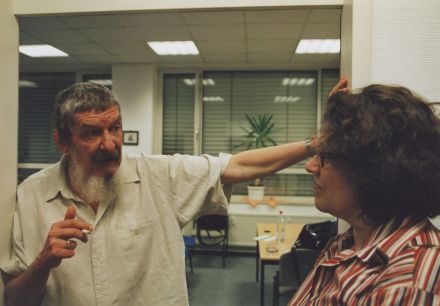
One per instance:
[(322, 156)]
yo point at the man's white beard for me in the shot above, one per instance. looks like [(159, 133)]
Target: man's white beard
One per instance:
[(91, 188)]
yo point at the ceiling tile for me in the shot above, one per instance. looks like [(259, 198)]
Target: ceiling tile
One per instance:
[(96, 21), (76, 49), (120, 35), (220, 46), (135, 58), (276, 16), (162, 33), (154, 19), (41, 23), (321, 30), (273, 31), (26, 39), (133, 48), (59, 36), (217, 32), (60, 60), (182, 58), (269, 56), (313, 57), (213, 17), (325, 16), (270, 45), (99, 59), (27, 60), (225, 57)]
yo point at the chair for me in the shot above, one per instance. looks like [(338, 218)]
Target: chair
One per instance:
[(293, 269), (190, 244), (212, 230)]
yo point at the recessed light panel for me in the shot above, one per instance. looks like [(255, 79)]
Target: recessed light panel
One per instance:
[(318, 46), (173, 47), (41, 51)]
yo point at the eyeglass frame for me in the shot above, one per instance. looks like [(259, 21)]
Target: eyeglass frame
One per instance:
[(322, 156)]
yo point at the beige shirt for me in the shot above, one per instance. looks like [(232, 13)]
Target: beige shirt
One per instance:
[(135, 255)]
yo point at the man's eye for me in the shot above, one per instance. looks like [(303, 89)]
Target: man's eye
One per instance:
[(91, 134), (116, 128)]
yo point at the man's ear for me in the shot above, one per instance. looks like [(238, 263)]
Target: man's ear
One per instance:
[(61, 145)]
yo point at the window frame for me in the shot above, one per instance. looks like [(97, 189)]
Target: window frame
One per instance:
[(198, 121)]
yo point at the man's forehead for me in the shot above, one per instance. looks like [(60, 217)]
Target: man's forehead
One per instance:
[(108, 115)]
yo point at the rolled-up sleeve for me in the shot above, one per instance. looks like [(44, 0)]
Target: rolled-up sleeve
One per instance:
[(17, 263), (197, 187)]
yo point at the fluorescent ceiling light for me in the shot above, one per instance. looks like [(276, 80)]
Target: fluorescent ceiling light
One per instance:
[(103, 82), (318, 46), (213, 99), (27, 84), (286, 99), (173, 47), (297, 81), (192, 82), (41, 51)]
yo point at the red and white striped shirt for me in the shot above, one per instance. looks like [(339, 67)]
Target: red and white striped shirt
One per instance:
[(399, 266)]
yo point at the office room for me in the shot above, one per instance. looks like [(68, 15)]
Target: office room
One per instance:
[(246, 65)]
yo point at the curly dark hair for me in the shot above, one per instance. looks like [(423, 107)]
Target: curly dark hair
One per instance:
[(77, 98), (390, 142)]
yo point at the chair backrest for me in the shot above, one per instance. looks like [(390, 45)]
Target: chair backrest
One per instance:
[(212, 222), (296, 265), (218, 223)]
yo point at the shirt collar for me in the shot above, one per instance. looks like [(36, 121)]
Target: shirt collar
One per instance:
[(57, 183), (386, 241)]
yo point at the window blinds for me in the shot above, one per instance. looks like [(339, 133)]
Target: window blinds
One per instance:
[(178, 113)]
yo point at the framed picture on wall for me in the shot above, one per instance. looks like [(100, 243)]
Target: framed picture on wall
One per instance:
[(130, 138)]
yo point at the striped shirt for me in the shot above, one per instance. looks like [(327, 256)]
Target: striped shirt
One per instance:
[(400, 265)]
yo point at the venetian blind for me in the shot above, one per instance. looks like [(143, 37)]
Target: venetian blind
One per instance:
[(289, 96), (36, 98), (178, 113)]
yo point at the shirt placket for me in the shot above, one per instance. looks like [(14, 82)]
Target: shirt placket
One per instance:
[(99, 259)]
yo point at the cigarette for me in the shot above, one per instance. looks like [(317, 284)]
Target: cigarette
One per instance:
[(87, 232)]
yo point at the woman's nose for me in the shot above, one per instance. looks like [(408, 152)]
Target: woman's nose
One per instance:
[(312, 165)]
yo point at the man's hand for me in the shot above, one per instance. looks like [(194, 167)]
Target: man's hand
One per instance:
[(59, 243), (342, 87)]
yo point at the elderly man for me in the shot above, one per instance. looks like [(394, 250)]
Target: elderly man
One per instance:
[(103, 228)]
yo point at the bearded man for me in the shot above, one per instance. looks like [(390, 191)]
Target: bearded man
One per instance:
[(103, 228)]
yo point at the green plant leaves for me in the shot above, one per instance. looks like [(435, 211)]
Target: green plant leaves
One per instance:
[(258, 135)]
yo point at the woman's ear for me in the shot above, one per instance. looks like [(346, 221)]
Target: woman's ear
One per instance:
[(60, 144)]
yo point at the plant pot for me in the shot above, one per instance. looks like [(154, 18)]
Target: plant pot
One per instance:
[(256, 193)]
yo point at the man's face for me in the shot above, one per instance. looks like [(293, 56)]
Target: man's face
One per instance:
[(96, 142)]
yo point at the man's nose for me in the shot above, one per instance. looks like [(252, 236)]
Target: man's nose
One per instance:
[(312, 165), (107, 142)]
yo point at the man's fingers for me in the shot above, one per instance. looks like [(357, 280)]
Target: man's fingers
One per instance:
[(68, 233), (342, 86), (74, 223), (70, 212)]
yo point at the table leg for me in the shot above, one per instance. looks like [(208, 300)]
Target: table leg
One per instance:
[(257, 263), (262, 284)]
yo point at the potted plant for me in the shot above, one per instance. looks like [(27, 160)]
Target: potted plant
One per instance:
[(258, 135)]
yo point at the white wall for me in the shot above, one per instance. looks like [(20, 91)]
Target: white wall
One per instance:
[(405, 46), (135, 87), (8, 124)]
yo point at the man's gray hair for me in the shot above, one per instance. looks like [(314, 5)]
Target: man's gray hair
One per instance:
[(78, 98)]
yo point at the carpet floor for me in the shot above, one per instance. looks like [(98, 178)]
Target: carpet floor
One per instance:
[(235, 285)]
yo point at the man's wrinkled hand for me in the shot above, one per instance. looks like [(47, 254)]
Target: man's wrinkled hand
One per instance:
[(59, 243)]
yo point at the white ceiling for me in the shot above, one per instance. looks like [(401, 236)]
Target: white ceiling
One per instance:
[(259, 38)]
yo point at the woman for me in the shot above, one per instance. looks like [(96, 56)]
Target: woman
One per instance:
[(377, 166)]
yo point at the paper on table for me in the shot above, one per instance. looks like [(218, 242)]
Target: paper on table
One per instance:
[(265, 238)]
